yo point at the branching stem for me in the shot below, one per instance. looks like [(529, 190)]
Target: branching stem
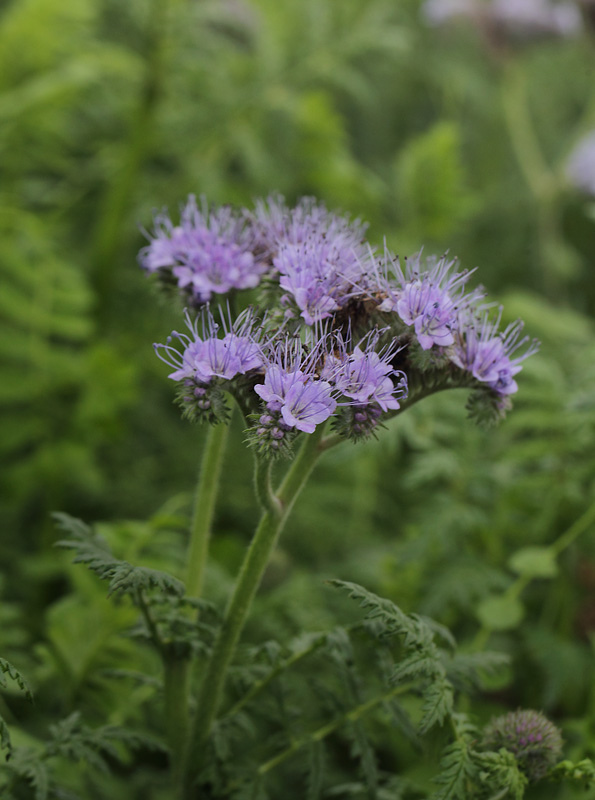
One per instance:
[(255, 562), (321, 733)]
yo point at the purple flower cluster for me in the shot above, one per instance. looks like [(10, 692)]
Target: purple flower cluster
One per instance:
[(535, 742), (344, 334), (209, 252), (305, 386), (318, 257)]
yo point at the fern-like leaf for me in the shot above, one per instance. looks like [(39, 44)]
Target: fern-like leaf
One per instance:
[(501, 771), (437, 703), (457, 764), (124, 578), (6, 668), (27, 764), (465, 669), (424, 661)]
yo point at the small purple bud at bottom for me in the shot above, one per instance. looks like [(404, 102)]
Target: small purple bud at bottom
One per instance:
[(534, 741)]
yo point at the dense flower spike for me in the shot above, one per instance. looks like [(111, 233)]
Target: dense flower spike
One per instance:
[(209, 252), (530, 736), (346, 335)]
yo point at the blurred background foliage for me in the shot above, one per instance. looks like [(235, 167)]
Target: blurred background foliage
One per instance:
[(110, 110)]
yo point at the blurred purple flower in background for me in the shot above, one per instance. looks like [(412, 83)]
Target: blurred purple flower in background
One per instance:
[(580, 167)]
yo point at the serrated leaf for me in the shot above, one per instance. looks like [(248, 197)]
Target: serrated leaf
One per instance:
[(437, 703), (27, 764), (5, 741), (6, 668), (457, 768), (124, 578), (502, 771), (500, 612), (534, 562)]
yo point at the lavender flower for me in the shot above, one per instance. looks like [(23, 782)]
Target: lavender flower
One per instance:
[(580, 168), (205, 357), (365, 376), (325, 282), (429, 297), (210, 252), (292, 391), (535, 742), (487, 353), (437, 12)]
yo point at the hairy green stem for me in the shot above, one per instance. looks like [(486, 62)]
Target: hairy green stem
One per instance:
[(177, 666), (250, 575), (262, 484), (204, 507)]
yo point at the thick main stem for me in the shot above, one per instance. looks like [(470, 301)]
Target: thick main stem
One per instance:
[(255, 562), (204, 507), (177, 666)]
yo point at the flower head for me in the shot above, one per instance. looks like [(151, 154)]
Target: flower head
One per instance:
[(428, 296), (292, 388), (209, 252), (318, 256), (206, 355), (535, 742), (365, 375), (488, 354)]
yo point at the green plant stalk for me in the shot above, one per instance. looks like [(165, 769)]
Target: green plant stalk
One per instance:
[(575, 530), (321, 733), (250, 575), (177, 666), (259, 686), (204, 507), (516, 588)]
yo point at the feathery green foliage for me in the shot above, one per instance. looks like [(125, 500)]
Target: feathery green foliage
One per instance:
[(93, 551)]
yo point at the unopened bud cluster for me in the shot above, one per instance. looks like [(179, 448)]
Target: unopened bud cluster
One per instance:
[(335, 331), (535, 742)]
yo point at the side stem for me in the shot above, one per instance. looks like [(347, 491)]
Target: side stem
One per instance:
[(255, 562)]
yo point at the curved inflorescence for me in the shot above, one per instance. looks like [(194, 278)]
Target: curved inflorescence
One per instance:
[(335, 331)]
